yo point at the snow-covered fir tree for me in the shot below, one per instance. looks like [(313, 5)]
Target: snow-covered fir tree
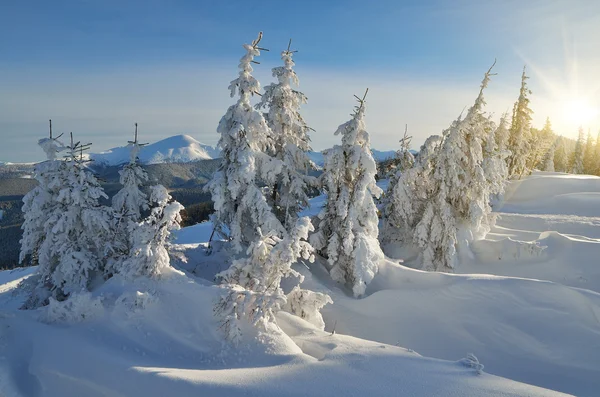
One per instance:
[(348, 228), (38, 202), (548, 160), (597, 155), (77, 233), (129, 203), (149, 253), (252, 284), (502, 135), (291, 142), (576, 161), (402, 160), (589, 159), (519, 141), (401, 200), (457, 209), (246, 141), (494, 159), (561, 158)]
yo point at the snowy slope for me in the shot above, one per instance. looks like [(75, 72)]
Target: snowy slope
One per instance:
[(144, 342), (560, 214), (521, 327), (178, 148)]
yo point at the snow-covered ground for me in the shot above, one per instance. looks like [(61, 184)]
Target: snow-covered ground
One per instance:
[(530, 314)]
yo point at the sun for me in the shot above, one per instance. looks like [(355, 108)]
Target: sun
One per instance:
[(579, 112)]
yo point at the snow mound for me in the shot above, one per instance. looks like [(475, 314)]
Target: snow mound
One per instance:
[(553, 193), (160, 338), (175, 149), (531, 331)]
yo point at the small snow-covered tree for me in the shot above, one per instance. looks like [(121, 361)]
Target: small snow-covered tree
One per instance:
[(348, 228), (77, 233), (246, 141), (291, 142), (519, 141), (38, 203), (149, 254), (129, 202), (403, 159), (576, 161), (253, 284)]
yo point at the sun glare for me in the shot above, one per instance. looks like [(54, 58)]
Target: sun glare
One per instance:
[(579, 112)]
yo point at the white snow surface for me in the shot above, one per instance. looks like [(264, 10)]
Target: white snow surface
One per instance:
[(529, 314), (175, 149)]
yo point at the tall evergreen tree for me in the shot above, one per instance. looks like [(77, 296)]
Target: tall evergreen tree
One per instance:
[(246, 141), (597, 155), (291, 142), (494, 159), (589, 159), (548, 160), (576, 160), (348, 229), (457, 208), (561, 158), (519, 141)]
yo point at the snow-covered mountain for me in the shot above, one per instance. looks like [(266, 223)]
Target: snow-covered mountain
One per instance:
[(175, 149)]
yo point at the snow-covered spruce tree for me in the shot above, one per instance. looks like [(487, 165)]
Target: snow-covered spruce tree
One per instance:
[(548, 160), (519, 141), (246, 141), (407, 197), (502, 136), (589, 160), (291, 142), (128, 204), (403, 159), (561, 158), (348, 228), (252, 284), (576, 161), (149, 253), (38, 203), (597, 155), (400, 203), (77, 233), (457, 208), (494, 159)]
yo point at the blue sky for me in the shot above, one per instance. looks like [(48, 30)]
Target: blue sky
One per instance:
[(96, 67)]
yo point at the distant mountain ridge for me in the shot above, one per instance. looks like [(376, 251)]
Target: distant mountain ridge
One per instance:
[(175, 149), (185, 149)]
